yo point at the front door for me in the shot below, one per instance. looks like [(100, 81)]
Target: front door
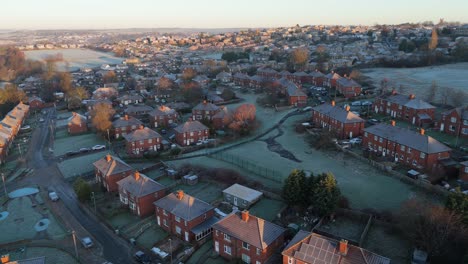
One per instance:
[(351, 134), (441, 127), (159, 221), (186, 236), (217, 246), (414, 120), (235, 201)]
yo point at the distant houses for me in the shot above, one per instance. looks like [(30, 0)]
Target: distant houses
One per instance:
[(204, 110), (163, 116), (125, 125)]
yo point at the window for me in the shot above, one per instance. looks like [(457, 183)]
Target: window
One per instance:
[(191, 134), (375, 138), (245, 258), (258, 262), (290, 260), (452, 128), (216, 233), (465, 122), (185, 222), (164, 212), (402, 148), (177, 219), (123, 199), (245, 245), (453, 119), (259, 251), (227, 250), (409, 150), (381, 140), (464, 131), (150, 140), (165, 222), (466, 169), (178, 230), (132, 205), (227, 237)]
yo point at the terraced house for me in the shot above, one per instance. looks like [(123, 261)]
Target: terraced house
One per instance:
[(163, 116), (142, 140), (109, 170), (404, 107), (409, 147), (185, 216), (454, 122), (312, 248), (247, 237), (343, 122), (9, 127), (139, 192), (125, 125)]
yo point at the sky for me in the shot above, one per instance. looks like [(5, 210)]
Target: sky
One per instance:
[(108, 14)]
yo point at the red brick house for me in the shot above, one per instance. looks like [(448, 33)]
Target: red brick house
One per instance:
[(77, 124), (241, 79), (139, 192), (464, 171), (318, 78), (109, 170), (343, 122), (125, 125), (204, 110), (4, 144), (454, 122), (185, 216), (296, 97), (330, 79), (224, 77), (130, 99), (312, 248), (348, 87), (409, 147), (404, 107), (268, 73), (142, 140), (163, 116), (302, 77), (191, 132), (35, 102), (223, 118), (9, 127), (247, 237), (140, 110)]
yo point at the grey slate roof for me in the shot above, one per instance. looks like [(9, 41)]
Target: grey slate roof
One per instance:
[(243, 192), (206, 106), (138, 108), (188, 208), (295, 91), (333, 75), (122, 122), (142, 134), (338, 113), (347, 82), (162, 111), (405, 100), (316, 74), (255, 231), (408, 138), (190, 126), (140, 186), (76, 119), (114, 166)]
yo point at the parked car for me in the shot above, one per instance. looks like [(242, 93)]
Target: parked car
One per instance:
[(84, 150), (72, 153), (163, 131), (25, 128), (199, 143), (87, 242), (141, 257), (98, 147), (355, 141), (356, 103), (41, 120), (366, 103), (53, 196)]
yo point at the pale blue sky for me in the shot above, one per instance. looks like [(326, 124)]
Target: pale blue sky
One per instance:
[(73, 14)]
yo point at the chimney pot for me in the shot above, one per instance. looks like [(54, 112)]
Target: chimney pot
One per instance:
[(422, 131), (394, 92), (343, 247), (393, 122), (126, 117), (180, 194), (137, 175), (347, 108), (245, 216), (108, 157), (333, 102), (412, 96)]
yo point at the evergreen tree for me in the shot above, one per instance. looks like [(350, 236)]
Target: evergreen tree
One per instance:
[(324, 194), (458, 202), (295, 188)]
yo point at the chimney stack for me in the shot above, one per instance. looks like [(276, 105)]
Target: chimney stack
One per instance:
[(394, 92), (204, 101), (126, 117), (333, 102), (180, 194), (245, 216), (422, 131), (347, 108), (343, 247), (108, 157), (393, 122), (412, 96), (142, 127), (137, 175)]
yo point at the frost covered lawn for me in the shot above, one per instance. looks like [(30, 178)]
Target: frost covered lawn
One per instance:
[(63, 144), (266, 208), (79, 165), (204, 191)]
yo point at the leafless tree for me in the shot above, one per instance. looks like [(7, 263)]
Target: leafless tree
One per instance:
[(431, 96), (299, 58)]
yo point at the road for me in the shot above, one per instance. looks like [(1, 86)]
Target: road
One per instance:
[(46, 174)]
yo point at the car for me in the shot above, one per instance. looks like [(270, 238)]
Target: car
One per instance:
[(25, 128), (141, 257), (71, 153), (53, 196), (98, 147), (84, 150), (356, 103), (199, 143), (87, 242), (355, 141), (41, 120), (206, 141), (366, 103), (307, 108)]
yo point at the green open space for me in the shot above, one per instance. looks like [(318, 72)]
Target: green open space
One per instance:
[(267, 209), (52, 255), (206, 255), (122, 219), (151, 236), (72, 143), (80, 165), (345, 227)]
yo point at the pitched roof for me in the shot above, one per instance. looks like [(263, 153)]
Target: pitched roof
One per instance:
[(338, 113), (190, 126), (143, 133), (408, 138), (461, 111), (206, 106), (317, 74), (243, 192), (255, 231), (225, 111), (126, 121), (76, 119), (295, 91), (140, 185), (333, 75), (138, 108), (187, 208), (405, 100), (312, 248), (110, 165), (347, 82), (162, 111)]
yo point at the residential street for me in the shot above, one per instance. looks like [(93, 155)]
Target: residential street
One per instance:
[(47, 175)]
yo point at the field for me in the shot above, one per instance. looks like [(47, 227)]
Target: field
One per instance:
[(151, 236), (63, 144), (418, 80), (79, 165)]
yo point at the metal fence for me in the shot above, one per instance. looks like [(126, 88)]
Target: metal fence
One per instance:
[(248, 166)]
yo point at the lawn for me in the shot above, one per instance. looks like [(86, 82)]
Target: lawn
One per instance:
[(122, 219), (64, 144), (151, 236), (79, 165), (166, 181), (345, 227), (267, 209), (154, 174), (206, 253), (204, 191), (52, 255)]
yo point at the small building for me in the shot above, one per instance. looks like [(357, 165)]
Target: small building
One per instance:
[(454, 122), (312, 248), (142, 140), (77, 124), (35, 102), (125, 125), (185, 216), (109, 170), (204, 110), (247, 237), (296, 97), (191, 132), (241, 196), (163, 116), (343, 122), (130, 99), (464, 171), (139, 192)]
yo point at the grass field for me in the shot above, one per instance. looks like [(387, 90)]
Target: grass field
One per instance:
[(204, 191), (345, 227), (267, 209), (71, 143), (52, 255), (79, 165), (151, 236), (122, 219)]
